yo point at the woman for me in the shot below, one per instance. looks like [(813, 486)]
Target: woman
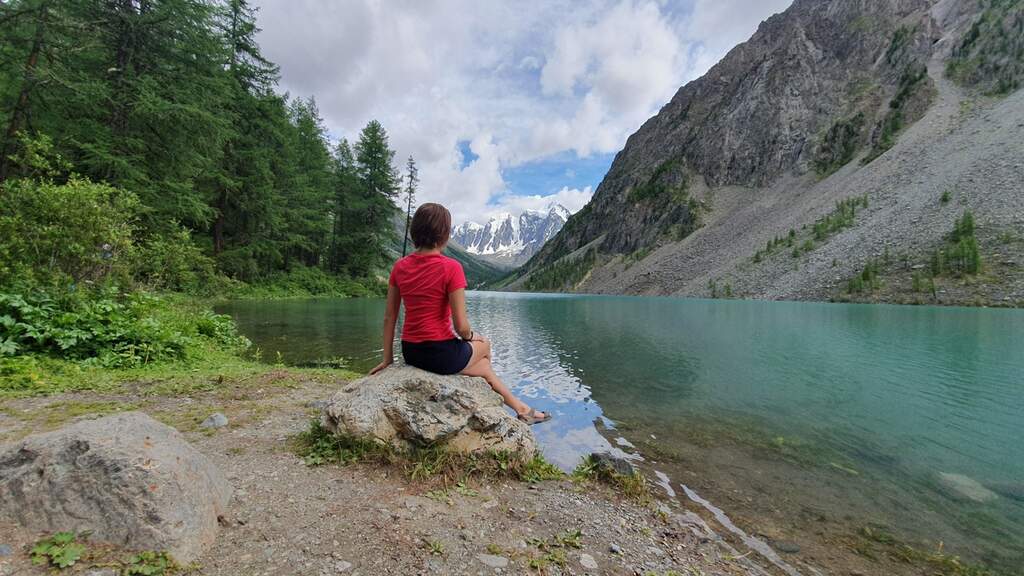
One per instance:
[(433, 288)]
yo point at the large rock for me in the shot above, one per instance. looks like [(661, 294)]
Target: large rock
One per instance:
[(126, 479), (405, 406)]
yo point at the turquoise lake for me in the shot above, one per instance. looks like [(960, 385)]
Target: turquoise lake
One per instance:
[(807, 424)]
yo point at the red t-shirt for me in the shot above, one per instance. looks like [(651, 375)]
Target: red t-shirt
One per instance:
[(424, 281)]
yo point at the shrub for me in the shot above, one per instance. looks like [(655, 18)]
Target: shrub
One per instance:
[(173, 262), (53, 233), (107, 327)]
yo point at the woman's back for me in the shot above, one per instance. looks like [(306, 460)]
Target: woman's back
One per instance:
[(424, 282)]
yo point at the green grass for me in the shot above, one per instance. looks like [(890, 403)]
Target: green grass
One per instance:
[(319, 446), (64, 550), (631, 485)]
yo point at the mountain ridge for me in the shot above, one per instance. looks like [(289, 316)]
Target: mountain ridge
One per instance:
[(823, 104), (511, 240)]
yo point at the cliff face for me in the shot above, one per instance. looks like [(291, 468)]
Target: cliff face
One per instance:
[(823, 90), (754, 116)]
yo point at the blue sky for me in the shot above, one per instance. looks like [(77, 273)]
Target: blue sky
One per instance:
[(503, 108)]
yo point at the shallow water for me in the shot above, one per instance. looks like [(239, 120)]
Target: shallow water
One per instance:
[(793, 418)]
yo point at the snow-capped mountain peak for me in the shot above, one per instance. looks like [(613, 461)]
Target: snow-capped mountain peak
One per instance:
[(512, 239)]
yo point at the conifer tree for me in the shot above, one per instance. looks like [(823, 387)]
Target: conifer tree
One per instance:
[(412, 179)]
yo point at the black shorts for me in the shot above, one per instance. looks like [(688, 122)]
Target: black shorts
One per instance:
[(443, 357)]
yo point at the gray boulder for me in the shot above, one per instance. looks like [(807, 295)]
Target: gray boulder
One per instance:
[(611, 463), (405, 406), (126, 479), (215, 420)]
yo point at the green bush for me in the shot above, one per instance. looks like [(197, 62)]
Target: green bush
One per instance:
[(107, 327), (303, 281), (173, 262), (55, 233)]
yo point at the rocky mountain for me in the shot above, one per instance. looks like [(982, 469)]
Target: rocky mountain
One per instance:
[(844, 140), (511, 240), (479, 271)]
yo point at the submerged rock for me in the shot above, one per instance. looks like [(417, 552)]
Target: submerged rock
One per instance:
[(405, 406), (1009, 490), (966, 487), (608, 462), (126, 479)]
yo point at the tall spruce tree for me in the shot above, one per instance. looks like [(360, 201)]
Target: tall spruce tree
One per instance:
[(412, 179)]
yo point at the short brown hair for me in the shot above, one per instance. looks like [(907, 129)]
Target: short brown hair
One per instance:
[(431, 226)]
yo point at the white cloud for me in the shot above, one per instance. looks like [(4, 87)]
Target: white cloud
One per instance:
[(519, 83), (571, 198)]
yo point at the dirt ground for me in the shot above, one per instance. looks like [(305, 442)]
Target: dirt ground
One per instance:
[(287, 518)]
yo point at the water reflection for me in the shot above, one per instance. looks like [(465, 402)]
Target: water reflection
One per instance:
[(851, 411)]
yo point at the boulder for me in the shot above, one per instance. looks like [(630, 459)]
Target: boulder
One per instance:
[(405, 407), (126, 479), (609, 463)]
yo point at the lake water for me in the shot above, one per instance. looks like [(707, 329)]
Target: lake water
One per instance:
[(819, 429)]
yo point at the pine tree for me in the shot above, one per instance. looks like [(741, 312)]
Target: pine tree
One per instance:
[(375, 161), (411, 180)]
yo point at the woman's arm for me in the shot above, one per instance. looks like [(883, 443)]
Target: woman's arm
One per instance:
[(390, 318), (457, 300)]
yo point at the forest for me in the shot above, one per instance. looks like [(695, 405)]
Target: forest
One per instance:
[(146, 147), (172, 105)]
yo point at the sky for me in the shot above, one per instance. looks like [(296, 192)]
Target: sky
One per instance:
[(505, 106)]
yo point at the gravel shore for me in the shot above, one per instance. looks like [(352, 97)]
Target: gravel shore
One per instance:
[(287, 518)]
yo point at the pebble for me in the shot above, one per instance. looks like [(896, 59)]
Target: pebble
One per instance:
[(215, 420), (5, 550), (588, 562), (615, 549), (492, 560), (342, 566)]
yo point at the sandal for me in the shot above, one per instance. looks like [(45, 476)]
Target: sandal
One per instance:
[(531, 417)]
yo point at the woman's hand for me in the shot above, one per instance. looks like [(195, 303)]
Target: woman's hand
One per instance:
[(381, 366)]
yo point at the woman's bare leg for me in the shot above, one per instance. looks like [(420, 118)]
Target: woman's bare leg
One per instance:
[(480, 365)]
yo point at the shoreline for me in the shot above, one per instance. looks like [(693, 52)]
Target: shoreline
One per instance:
[(367, 518)]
